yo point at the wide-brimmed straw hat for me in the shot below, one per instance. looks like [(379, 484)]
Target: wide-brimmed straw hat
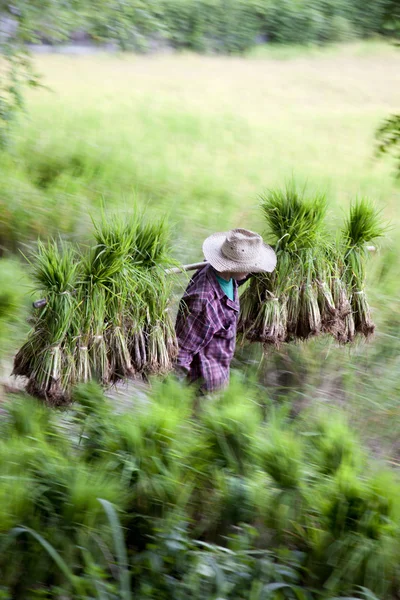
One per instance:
[(239, 251)]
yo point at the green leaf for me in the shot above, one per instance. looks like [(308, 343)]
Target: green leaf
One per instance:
[(120, 548)]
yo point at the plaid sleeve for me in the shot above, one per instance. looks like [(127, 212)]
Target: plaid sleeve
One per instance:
[(194, 329)]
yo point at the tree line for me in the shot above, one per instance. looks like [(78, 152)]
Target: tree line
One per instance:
[(226, 26)]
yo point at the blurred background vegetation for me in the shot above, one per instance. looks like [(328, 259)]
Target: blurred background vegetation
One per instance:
[(288, 487)]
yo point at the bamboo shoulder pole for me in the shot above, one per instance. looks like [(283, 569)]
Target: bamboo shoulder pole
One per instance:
[(183, 268)]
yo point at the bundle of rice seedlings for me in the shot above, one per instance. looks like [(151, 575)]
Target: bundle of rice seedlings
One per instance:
[(110, 265), (344, 330), (324, 282), (107, 313), (264, 323), (309, 321), (154, 347), (47, 356), (319, 284), (363, 226), (284, 305)]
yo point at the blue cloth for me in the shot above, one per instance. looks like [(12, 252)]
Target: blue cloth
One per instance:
[(226, 286)]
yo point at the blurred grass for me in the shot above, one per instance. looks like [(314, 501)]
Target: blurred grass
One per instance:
[(200, 138)]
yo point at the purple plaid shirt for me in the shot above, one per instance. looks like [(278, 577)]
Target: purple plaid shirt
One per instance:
[(206, 330)]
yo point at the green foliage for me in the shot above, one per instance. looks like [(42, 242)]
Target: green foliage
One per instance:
[(364, 224), (333, 444), (13, 302), (295, 222), (388, 138), (232, 26), (227, 26), (25, 18), (229, 428), (150, 502), (361, 522)]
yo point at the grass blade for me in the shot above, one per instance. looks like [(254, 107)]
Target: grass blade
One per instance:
[(120, 549), (60, 562)]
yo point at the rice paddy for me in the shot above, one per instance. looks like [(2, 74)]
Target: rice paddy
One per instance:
[(121, 168), (200, 139)]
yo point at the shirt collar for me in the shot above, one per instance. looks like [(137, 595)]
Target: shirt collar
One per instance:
[(219, 291)]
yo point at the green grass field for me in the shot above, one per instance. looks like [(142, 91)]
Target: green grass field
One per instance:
[(200, 138)]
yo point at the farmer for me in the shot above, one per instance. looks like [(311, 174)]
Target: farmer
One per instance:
[(209, 310)]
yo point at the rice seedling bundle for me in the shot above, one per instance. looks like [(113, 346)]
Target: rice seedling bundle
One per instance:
[(107, 312), (362, 226), (47, 357), (318, 286)]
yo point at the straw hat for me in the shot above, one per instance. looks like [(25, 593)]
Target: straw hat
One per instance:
[(239, 251)]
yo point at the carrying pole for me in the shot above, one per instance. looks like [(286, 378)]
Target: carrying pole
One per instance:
[(183, 268)]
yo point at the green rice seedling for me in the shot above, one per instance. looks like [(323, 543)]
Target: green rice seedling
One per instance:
[(269, 325), (247, 309), (318, 285), (47, 350), (93, 577), (150, 463), (281, 456), (17, 501), (309, 319), (85, 485), (108, 317), (26, 417), (90, 401), (332, 444), (292, 311), (364, 225), (361, 521), (265, 302), (296, 223), (229, 428), (229, 503), (151, 244), (143, 448)]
